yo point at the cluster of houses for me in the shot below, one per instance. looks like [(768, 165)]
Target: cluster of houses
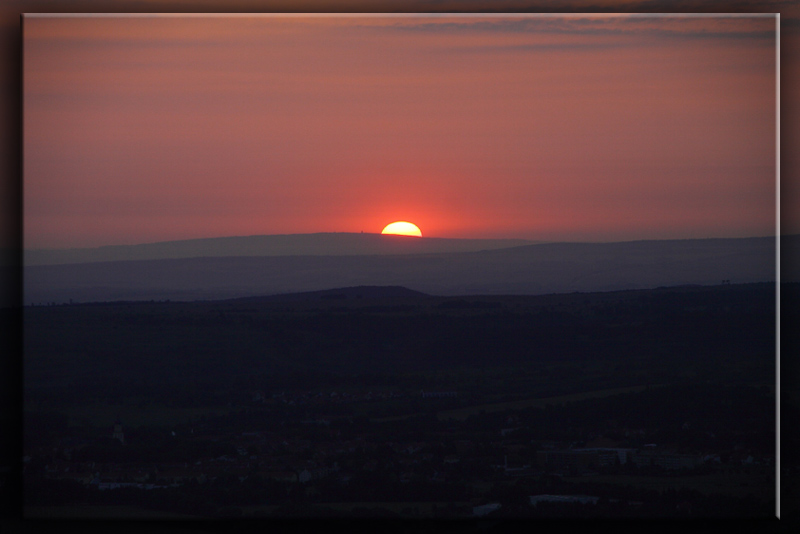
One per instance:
[(289, 458), (313, 449)]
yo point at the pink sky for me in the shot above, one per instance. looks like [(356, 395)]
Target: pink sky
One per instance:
[(145, 129)]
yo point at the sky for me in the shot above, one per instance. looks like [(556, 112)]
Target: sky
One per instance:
[(579, 128)]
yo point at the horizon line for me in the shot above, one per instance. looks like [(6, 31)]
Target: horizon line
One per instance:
[(531, 240)]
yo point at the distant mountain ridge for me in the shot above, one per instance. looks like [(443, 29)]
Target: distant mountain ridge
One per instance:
[(318, 244), (357, 292), (525, 270)]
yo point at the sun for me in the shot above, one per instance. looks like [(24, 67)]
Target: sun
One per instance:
[(402, 228)]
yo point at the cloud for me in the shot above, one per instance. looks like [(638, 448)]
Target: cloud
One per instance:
[(757, 26)]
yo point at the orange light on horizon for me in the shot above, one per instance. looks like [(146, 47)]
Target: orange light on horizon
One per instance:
[(402, 228)]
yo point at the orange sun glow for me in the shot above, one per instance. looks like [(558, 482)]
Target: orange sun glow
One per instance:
[(402, 228)]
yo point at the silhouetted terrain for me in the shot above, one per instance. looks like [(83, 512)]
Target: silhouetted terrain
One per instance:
[(320, 244), (384, 401), (525, 270), (674, 329), (366, 292)]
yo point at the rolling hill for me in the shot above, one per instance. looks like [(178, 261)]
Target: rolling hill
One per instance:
[(529, 269), (319, 244)]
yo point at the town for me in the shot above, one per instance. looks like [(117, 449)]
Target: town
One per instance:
[(291, 453)]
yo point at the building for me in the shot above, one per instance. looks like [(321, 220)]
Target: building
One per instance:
[(117, 432), (667, 460), (484, 509)]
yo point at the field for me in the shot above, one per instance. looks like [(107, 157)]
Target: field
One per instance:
[(86, 511), (136, 414), (464, 413)]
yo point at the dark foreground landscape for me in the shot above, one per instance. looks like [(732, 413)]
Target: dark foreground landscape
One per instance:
[(386, 402)]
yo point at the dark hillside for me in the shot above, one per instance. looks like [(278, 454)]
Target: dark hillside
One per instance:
[(319, 244), (526, 270), (407, 401), (359, 292), (712, 331)]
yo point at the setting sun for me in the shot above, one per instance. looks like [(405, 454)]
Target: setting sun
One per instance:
[(402, 228)]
